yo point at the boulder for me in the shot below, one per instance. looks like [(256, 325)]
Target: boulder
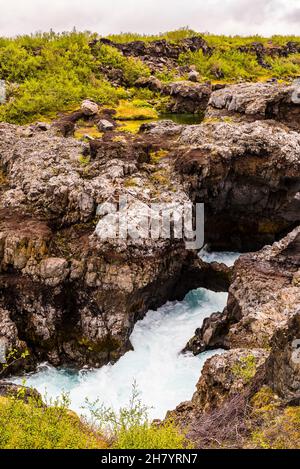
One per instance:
[(187, 96), (193, 76), (89, 108), (105, 125), (76, 294)]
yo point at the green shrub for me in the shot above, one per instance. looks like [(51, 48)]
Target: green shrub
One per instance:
[(132, 68), (172, 36), (31, 425), (228, 65), (130, 428)]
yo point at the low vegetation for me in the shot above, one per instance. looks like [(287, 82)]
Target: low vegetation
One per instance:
[(278, 428), (135, 110), (48, 73), (32, 425), (245, 368)]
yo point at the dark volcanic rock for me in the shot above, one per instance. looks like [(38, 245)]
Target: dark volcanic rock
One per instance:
[(223, 377), (263, 296), (20, 392), (187, 96), (248, 176)]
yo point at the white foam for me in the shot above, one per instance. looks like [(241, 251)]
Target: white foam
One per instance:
[(227, 258)]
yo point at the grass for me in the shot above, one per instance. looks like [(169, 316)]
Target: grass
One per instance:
[(83, 160), (2, 178), (93, 132), (135, 110), (131, 126)]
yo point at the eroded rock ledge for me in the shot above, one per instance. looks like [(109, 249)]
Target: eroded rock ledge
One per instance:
[(257, 101)]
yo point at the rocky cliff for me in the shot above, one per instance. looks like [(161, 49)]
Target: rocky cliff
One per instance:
[(72, 296), (260, 326)]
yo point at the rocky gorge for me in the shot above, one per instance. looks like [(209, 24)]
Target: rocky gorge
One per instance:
[(71, 297)]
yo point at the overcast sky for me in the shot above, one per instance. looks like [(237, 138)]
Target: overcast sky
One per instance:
[(264, 17)]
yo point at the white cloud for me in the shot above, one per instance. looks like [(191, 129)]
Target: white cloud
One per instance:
[(219, 16)]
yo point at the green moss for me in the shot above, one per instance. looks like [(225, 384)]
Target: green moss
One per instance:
[(130, 182), (82, 131), (83, 160), (279, 431), (157, 156), (211, 120), (135, 110), (245, 368)]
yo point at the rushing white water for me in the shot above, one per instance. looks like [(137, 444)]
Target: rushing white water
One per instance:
[(227, 258), (163, 376)]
